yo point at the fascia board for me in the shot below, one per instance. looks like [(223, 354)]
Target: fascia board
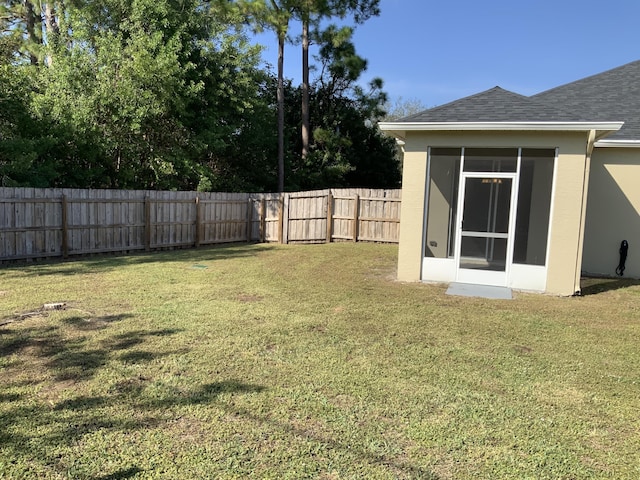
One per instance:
[(500, 126), (617, 144)]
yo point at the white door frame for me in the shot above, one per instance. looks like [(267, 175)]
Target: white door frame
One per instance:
[(485, 277)]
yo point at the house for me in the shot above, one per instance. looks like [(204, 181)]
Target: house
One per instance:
[(523, 192)]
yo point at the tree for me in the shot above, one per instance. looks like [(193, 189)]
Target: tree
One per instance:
[(403, 108), (166, 94), (21, 22), (144, 94), (311, 13), (30, 145), (119, 84), (34, 24), (276, 15), (346, 149), (273, 15)]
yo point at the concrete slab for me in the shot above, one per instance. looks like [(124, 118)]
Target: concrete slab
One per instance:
[(482, 291)]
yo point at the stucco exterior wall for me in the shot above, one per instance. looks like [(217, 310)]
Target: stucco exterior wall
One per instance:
[(414, 178), (564, 261), (565, 245), (613, 211)]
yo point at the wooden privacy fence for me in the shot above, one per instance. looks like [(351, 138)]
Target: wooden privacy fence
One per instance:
[(40, 223)]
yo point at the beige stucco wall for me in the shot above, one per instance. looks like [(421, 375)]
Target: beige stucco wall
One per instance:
[(414, 177), (613, 211), (565, 245)]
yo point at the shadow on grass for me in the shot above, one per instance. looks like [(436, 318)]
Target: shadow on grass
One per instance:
[(595, 285), (31, 431), (9, 397), (16, 340), (72, 419), (54, 359), (95, 323), (106, 262), (132, 391), (120, 474), (71, 358), (204, 394), (49, 428), (47, 341), (52, 430), (399, 468), (211, 392)]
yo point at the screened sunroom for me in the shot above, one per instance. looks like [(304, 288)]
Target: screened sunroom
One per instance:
[(526, 192), (487, 215), (494, 192)]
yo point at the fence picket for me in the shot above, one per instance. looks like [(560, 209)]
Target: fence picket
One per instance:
[(38, 223)]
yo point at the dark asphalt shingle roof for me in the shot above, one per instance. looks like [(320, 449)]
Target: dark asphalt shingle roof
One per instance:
[(495, 105), (611, 96)]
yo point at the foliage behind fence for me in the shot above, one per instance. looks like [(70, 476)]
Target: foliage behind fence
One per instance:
[(39, 223)]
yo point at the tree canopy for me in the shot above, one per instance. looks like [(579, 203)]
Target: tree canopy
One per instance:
[(171, 94)]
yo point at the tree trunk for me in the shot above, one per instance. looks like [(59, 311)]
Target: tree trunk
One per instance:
[(51, 23), (52, 29), (305, 88), (280, 100), (30, 21)]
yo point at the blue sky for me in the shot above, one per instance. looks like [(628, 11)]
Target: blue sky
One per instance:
[(437, 51)]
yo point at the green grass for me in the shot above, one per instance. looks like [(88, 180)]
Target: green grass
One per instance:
[(292, 362)]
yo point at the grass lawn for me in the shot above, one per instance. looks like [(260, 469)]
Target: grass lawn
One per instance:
[(291, 362)]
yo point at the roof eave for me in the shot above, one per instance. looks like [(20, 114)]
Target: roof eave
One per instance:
[(617, 144), (399, 129)]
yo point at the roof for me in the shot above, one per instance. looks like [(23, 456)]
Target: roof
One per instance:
[(495, 105), (614, 94), (598, 102)]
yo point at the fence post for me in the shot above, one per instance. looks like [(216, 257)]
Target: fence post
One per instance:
[(281, 220), (356, 212), (73, 213), (65, 228), (329, 216), (263, 220), (198, 232), (249, 219), (147, 223)]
